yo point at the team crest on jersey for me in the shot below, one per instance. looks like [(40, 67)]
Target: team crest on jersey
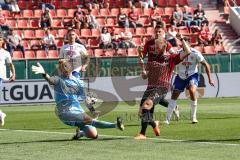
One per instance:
[(69, 53)]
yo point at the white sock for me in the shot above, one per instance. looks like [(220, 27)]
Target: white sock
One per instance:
[(171, 105), (194, 109)]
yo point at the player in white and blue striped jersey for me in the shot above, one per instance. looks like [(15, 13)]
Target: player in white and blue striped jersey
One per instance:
[(188, 77)]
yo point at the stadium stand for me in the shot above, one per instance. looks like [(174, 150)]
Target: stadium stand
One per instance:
[(27, 26)]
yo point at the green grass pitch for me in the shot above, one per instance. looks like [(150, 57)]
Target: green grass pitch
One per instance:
[(35, 133)]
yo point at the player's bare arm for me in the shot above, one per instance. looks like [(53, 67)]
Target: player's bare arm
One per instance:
[(86, 60), (12, 69), (207, 69), (186, 48)]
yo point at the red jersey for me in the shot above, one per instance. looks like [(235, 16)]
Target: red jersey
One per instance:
[(159, 67)]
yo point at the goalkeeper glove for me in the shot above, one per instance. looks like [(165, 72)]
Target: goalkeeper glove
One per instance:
[(38, 69)]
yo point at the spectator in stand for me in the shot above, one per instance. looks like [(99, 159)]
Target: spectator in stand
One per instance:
[(47, 4), (14, 41), (133, 18), (106, 39), (79, 19), (3, 20), (92, 4), (126, 39), (65, 38), (46, 18), (216, 37), (123, 19), (188, 17), (177, 16), (157, 19), (199, 15), (12, 5), (48, 41), (205, 36), (5, 5), (146, 3), (92, 23)]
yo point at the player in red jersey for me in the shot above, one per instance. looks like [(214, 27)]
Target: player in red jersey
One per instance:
[(158, 70)]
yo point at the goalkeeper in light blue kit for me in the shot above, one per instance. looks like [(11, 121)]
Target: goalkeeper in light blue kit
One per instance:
[(67, 88)]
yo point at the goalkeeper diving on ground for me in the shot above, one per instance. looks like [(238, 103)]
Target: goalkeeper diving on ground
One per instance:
[(67, 89)]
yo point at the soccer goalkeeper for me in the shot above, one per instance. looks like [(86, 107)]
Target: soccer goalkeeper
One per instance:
[(68, 109)]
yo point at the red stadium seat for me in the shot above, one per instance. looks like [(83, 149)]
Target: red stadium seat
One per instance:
[(132, 52), (115, 12), (22, 23), (61, 13), (54, 32), (160, 11), (104, 12), (119, 3), (52, 13), (62, 33), (99, 53), (56, 3), (150, 31), (90, 52), (22, 4), (137, 41), (76, 3), (18, 32), (162, 3), (25, 44), (33, 23), (17, 55), (126, 10), (118, 30), (59, 43), (137, 11), (30, 55), (184, 31), (39, 33), (28, 34), (41, 54), (11, 23), (209, 50), (110, 52), (27, 13), (96, 32), (35, 44), (172, 3), (131, 30), (146, 21), (86, 32), (219, 49), (140, 31), (71, 12), (83, 40), (147, 11), (93, 43), (66, 4), (199, 48), (111, 22), (121, 52), (101, 21), (37, 13), (56, 23), (53, 54), (168, 11), (95, 12), (6, 13), (183, 2)]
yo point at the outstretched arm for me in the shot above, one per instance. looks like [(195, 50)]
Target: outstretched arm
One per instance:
[(40, 70), (186, 48), (12, 69), (207, 69)]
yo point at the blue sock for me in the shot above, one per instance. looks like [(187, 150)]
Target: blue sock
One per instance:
[(82, 134), (102, 124)]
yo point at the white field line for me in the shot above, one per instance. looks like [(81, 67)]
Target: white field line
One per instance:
[(129, 137)]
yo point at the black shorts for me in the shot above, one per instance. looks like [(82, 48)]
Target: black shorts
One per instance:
[(155, 94)]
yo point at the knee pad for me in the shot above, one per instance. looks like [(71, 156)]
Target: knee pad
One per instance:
[(147, 116), (90, 131)]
